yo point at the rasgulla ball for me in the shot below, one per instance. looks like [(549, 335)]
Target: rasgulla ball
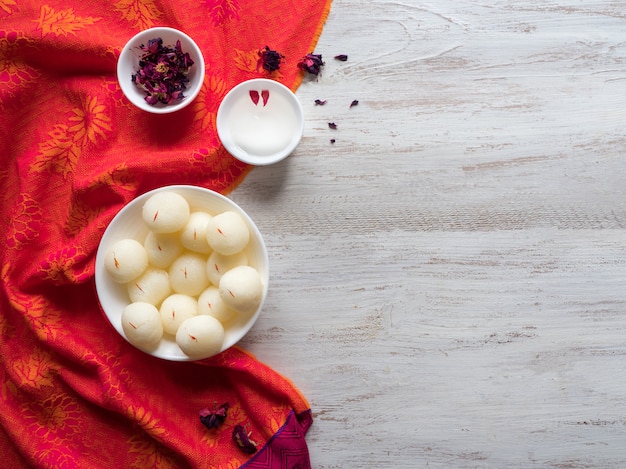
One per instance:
[(210, 303), (162, 248), (142, 325), (218, 264), (241, 289), (200, 336), (153, 286), (175, 309), (193, 236), (188, 274), (126, 260), (228, 233), (165, 212)]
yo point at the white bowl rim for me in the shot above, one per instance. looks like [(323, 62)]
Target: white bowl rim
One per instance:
[(167, 349), (131, 91), (235, 150)]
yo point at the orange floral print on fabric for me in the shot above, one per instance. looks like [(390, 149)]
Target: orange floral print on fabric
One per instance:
[(60, 266), (141, 14), (222, 11), (61, 151), (114, 382), (146, 452), (208, 102), (57, 417), (44, 319), (62, 22), (36, 370), (14, 71), (26, 221), (7, 5)]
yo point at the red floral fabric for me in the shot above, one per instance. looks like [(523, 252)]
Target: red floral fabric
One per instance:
[(74, 151)]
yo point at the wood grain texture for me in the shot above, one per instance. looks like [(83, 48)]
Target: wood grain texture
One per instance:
[(447, 278)]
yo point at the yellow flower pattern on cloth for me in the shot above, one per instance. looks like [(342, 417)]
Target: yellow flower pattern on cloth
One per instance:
[(75, 151), (62, 22)]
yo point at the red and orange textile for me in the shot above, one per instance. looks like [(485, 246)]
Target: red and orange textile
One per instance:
[(73, 152)]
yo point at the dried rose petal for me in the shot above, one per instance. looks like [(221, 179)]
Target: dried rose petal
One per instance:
[(214, 418), (332, 125), (265, 94), (242, 439), (354, 103), (341, 57), (332, 140), (162, 71), (311, 63), (270, 59), (319, 102), (254, 96)]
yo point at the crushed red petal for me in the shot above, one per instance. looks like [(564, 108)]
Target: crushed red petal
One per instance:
[(354, 103), (270, 59), (311, 63), (332, 125), (265, 94), (332, 140), (319, 102), (162, 71), (254, 96), (242, 438), (213, 418), (341, 57)]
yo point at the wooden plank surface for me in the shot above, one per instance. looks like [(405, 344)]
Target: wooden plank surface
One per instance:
[(447, 278)]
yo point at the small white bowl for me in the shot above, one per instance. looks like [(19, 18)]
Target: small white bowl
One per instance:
[(260, 121), (128, 223), (128, 64)]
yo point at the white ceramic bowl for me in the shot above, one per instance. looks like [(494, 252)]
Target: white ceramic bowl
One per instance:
[(128, 64), (260, 121), (128, 223)]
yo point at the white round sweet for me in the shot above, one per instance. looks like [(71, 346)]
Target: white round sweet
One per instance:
[(188, 274), (175, 309), (200, 336), (193, 236), (126, 260), (218, 264), (210, 303), (142, 325), (166, 212), (153, 286), (241, 289), (162, 248), (228, 233)]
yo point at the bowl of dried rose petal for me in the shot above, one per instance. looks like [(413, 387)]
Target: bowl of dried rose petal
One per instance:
[(182, 273), (161, 70), (260, 121)]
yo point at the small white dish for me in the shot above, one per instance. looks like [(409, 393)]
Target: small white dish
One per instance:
[(260, 121), (128, 65), (128, 223)]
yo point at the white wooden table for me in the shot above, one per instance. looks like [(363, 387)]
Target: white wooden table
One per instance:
[(448, 284)]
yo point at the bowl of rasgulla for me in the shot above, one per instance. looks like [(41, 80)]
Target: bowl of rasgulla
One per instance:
[(182, 273)]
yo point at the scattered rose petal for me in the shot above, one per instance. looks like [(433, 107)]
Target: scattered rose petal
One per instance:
[(254, 96), (214, 418), (265, 94), (270, 59), (341, 57), (311, 63), (332, 125), (242, 439), (332, 140), (354, 103), (319, 102)]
